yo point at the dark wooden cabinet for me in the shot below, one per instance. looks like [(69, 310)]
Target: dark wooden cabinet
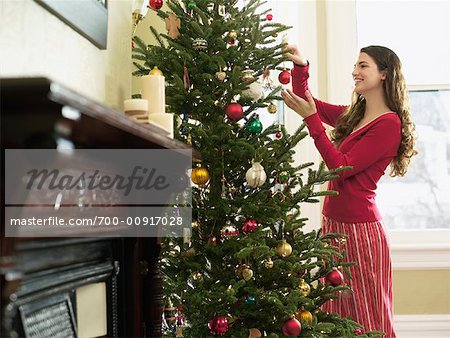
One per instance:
[(39, 276)]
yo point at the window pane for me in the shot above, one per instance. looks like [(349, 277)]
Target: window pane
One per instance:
[(422, 198), (417, 31)]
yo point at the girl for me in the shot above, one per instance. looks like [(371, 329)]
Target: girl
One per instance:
[(374, 131)]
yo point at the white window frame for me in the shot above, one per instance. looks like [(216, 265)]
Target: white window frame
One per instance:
[(424, 249)]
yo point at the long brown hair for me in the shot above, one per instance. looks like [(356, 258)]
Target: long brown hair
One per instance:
[(396, 99)]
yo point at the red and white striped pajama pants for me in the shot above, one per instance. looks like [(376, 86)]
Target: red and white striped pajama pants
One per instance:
[(370, 303)]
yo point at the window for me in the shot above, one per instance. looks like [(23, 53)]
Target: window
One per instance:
[(421, 200)]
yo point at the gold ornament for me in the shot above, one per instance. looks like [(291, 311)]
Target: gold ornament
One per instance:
[(272, 108), (247, 274), (304, 316), (155, 71), (197, 276), (268, 263), (284, 249), (247, 75), (239, 270), (232, 35), (200, 176), (254, 333), (221, 76), (304, 287)]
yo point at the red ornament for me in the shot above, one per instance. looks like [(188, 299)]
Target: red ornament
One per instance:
[(218, 325), (249, 225), (284, 77), (278, 135), (334, 277), (235, 111), (291, 327), (155, 4), (358, 331), (212, 240), (269, 17)]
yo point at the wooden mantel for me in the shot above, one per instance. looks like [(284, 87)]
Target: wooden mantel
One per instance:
[(35, 114)]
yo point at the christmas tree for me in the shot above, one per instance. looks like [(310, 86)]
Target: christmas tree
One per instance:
[(248, 269)]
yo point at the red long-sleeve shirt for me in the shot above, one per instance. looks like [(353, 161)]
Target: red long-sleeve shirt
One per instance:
[(369, 150)]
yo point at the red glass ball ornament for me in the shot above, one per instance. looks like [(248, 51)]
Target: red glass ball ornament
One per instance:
[(249, 225), (269, 17), (291, 327), (334, 277), (358, 331), (155, 4), (284, 77), (235, 111), (212, 240), (218, 325), (278, 135)]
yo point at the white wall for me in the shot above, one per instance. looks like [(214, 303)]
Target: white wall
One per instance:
[(33, 42)]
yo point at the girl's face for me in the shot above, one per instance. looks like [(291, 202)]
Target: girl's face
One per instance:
[(366, 75)]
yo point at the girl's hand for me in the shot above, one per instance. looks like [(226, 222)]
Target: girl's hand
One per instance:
[(296, 103), (292, 52)]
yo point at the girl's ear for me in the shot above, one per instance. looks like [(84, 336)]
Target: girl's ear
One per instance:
[(383, 74)]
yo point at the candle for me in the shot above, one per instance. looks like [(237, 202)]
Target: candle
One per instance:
[(165, 121), (133, 107), (153, 90)]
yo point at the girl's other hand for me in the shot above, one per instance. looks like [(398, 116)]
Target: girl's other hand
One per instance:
[(296, 103)]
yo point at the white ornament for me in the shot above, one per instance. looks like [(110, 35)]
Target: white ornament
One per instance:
[(256, 176), (254, 91)]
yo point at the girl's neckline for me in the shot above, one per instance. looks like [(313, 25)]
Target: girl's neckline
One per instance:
[(368, 123)]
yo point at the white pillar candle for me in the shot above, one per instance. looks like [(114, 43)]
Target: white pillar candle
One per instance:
[(135, 107), (153, 90), (165, 121)]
